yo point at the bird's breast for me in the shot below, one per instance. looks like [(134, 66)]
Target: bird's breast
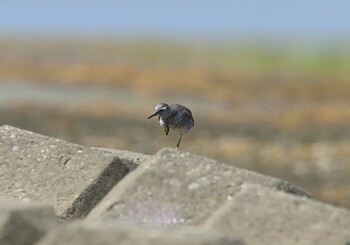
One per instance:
[(161, 121)]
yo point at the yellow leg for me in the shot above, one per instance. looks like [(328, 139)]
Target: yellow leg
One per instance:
[(178, 142), (166, 129)]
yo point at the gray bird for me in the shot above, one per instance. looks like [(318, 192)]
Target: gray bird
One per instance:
[(174, 116)]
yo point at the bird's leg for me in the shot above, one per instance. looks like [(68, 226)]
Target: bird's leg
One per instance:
[(166, 129), (178, 142)]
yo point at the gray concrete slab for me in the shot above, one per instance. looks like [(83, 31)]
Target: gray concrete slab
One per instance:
[(178, 188), (70, 177), (102, 233), (24, 224), (266, 216)]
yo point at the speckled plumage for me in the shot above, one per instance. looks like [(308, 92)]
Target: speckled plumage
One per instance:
[(176, 117)]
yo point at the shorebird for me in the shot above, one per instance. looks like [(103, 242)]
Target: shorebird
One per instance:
[(174, 116)]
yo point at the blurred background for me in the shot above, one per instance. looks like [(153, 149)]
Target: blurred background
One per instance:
[(268, 82)]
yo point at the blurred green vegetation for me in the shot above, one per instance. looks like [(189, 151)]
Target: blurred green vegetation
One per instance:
[(241, 55), (226, 70)]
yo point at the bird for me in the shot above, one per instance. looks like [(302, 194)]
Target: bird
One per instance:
[(174, 116)]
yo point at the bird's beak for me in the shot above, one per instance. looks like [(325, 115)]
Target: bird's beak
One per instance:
[(154, 114)]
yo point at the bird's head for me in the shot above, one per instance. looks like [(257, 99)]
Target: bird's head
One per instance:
[(162, 109)]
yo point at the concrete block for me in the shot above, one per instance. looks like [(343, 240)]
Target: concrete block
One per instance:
[(128, 234), (70, 177), (265, 216), (24, 224), (178, 188)]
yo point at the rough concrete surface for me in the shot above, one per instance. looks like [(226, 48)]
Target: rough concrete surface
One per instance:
[(188, 199), (128, 234), (265, 216), (22, 224), (70, 177), (129, 158), (178, 188)]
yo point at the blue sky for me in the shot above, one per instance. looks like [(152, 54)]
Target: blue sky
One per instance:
[(219, 18)]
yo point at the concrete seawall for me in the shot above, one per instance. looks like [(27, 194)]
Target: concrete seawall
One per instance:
[(55, 192)]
